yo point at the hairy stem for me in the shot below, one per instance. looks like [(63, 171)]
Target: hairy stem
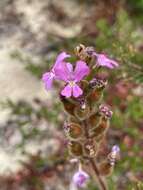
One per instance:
[(92, 162), (98, 177)]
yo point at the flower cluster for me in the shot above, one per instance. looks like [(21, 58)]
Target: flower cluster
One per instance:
[(88, 119), (64, 71)]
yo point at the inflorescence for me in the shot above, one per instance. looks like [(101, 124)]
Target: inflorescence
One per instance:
[(88, 119)]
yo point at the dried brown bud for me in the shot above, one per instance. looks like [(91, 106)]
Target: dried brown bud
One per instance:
[(73, 130), (96, 87), (100, 129), (75, 148), (90, 148), (105, 168), (69, 106), (82, 112), (93, 120), (84, 53), (98, 83)]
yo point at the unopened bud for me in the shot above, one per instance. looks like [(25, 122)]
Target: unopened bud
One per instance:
[(114, 154), (84, 53), (81, 113), (68, 105), (73, 130), (98, 83), (75, 148), (105, 111), (105, 168), (90, 148)]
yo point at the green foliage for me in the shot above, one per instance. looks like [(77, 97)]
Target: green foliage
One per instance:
[(121, 41), (136, 6)]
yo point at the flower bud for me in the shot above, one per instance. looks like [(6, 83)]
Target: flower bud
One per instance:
[(100, 129), (82, 112), (96, 87), (80, 179), (84, 53), (90, 148), (72, 119), (112, 157), (105, 168), (105, 112), (93, 120), (68, 105), (75, 148), (73, 130), (98, 84)]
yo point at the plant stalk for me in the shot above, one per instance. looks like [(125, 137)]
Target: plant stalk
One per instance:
[(92, 162)]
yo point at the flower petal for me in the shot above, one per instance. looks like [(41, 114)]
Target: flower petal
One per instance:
[(80, 179), (67, 91), (63, 71), (47, 78), (77, 91), (102, 60), (60, 58), (81, 70)]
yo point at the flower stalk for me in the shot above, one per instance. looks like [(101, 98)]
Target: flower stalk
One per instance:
[(88, 119)]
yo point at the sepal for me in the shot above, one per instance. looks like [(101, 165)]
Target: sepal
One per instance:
[(75, 149), (73, 131), (69, 106)]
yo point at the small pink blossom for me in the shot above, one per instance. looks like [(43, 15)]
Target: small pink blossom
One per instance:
[(115, 152), (116, 149), (48, 77), (80, 179), (66, 73), (103, 60)]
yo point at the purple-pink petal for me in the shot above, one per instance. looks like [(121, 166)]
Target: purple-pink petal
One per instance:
[(80, 179), (81, 70), (77, 91), (103, 60), (63, 71), (67, 91), (47, 78), (60, 58)]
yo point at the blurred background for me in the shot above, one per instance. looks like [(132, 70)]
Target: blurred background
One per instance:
[(33, 154)]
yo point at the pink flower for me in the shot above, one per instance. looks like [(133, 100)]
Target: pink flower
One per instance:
[(115, 149), (105, 111), (103, 60), (48, 77), (115, 152), (66, 73), (80, 179)]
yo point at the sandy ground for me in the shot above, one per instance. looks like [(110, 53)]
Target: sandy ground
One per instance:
[(16, 83), (20, 22)]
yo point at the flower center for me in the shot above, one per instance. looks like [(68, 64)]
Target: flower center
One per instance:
[(72, 83)]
